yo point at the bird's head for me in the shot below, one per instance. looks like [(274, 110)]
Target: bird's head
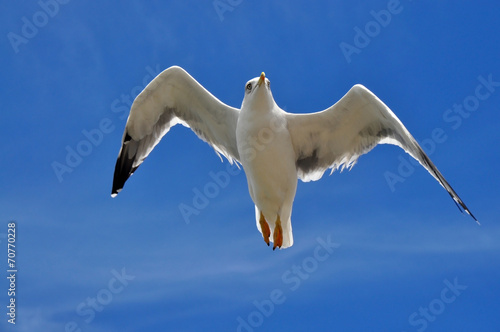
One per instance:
[(258, 94)]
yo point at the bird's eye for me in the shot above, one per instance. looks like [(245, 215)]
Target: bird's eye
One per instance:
[(249, 87), (268, 84)]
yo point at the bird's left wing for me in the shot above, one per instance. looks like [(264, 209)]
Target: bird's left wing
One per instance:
[(173, 97), (338, 136)]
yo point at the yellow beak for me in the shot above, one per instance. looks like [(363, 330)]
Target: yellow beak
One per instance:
[(262, 79)]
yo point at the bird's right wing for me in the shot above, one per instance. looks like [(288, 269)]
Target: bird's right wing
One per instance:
[(339, 135), (174, 97)]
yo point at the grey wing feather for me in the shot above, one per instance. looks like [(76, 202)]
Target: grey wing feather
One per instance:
[(336, 137), (173, 97)]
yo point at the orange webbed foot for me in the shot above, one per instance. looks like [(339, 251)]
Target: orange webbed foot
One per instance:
[(278, 234), (264, 227)]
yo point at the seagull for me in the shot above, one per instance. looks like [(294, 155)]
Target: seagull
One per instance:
[(274, 147)]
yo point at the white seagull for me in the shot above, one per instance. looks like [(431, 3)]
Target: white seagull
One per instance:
[(274, 147)]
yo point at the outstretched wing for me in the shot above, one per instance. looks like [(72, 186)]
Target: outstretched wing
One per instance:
[(173, 97), (338, 136)]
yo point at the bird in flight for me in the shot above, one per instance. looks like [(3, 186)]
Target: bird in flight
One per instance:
[(275, 148)]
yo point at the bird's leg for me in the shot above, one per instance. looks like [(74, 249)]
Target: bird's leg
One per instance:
[(264, 227), (278, 234)]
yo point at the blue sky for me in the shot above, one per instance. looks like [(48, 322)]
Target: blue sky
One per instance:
[(398, 256)]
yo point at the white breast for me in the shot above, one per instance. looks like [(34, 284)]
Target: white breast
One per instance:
[(268, 158)]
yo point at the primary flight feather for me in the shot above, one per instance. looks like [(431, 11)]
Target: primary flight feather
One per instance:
[(274, 147)]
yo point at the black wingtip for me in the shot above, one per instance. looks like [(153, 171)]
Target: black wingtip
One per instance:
[(462, 207), (123, 170), (126, 138), (466, 209), (470, 214), (124, 165)]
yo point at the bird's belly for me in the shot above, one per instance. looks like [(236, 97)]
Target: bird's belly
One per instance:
[(271, 172)]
